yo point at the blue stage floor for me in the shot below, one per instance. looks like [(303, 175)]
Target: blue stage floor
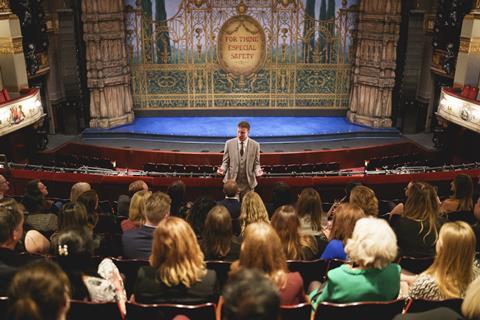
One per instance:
[(224, 127)]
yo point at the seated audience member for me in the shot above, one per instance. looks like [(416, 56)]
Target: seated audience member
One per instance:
[(11, 232), (90, 200), (281, 195), (101, 283), (250, 295), (136, 213), (39, 291), (470, 308), (218, 241), (4, 186), (295, 245), (197, 215), (417, 226), (177, 272), (123, 203), (313, 221), (106, 230), (365, 198), (348, 190), (40, 216), (252, 210), (461, 200), (36, 243), (346, 215), (231, 201), (262, 250), (373, 276), (179, 207), (453, 268), (137, 243), (459, 207), (77, 189), (470, 305), (72, 215)]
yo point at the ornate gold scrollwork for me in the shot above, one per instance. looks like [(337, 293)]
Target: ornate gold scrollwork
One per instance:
[(177, 63)]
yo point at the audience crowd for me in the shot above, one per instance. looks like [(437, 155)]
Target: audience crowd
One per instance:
[(51, 252)]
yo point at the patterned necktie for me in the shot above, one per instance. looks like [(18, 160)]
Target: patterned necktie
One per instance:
[(241, 148)]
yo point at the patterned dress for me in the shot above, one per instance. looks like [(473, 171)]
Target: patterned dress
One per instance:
[(426, 287)]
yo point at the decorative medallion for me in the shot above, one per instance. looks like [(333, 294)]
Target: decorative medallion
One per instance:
[(241, 45)]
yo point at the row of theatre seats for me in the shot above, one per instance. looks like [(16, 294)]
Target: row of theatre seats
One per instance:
[(74, 161), (310, 270), (78, 161), (315, 270), (80, 310), (402, 160), (307, 168)]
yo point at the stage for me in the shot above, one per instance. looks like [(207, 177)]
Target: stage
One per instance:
[(208, 134)]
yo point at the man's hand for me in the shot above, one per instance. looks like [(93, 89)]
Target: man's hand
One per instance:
[(220, 171), (259, 172)]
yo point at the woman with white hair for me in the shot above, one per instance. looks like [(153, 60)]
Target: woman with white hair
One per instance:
[(372, 276)]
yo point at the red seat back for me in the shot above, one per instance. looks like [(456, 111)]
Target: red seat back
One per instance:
[(204, 311), (359, 310)]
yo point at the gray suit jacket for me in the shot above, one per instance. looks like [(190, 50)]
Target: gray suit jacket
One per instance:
[(231, 158)]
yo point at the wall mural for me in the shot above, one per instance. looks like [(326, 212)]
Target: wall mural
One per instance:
[(221, 54)]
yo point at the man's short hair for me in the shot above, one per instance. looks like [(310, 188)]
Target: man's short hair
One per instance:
[(249, 294), (10, 218), (135, 186), (244, 124), (230, 188), (157, 207)]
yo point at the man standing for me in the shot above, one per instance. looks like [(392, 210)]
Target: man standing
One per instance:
[(241, 160)]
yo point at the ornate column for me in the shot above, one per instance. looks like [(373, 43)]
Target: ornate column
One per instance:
[(467, 70), (108, 74), (12, 60), (375, 61)]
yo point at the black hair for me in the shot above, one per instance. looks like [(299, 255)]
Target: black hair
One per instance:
[(249, 294)]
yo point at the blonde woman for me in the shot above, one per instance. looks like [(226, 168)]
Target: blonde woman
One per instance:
[(365, 198), (470, 305), (416, 225), (262, 250), (136, 213), (453, 268), (372, 276), (252, 210), (177, 272)]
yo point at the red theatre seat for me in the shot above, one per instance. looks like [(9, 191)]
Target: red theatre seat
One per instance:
[(359, 310), (169, 311)]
